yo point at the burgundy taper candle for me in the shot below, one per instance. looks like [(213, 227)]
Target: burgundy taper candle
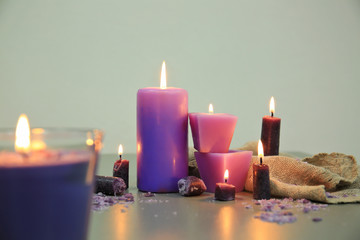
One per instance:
[(121, 168), (261, 177), (270, 132)]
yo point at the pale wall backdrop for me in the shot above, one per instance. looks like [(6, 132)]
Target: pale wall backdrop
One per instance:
[(79, 63)]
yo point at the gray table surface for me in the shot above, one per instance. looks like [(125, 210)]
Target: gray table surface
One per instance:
[(172, 216)]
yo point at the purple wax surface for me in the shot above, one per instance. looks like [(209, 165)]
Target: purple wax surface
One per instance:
[(45, 202), (261, 181), (162, 141), (270, 135), (224, 192), (121, 170)]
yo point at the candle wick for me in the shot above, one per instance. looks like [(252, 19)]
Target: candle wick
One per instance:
[(261, 161), (120, 156), (225, 180), (25, 156), (272, 114)]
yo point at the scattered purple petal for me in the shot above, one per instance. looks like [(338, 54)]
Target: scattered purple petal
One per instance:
[(248, 207), (102, 202), (328, 195), (306, 210), (277, 217), (149, 194), (345, 195), (317, 219), (303, 200)]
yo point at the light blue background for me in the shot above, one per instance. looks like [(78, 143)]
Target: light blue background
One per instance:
[(79, 64)]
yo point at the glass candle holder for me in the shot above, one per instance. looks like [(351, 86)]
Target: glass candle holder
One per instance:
[(46, 191)]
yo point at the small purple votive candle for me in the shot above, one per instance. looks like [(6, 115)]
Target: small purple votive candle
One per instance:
[(121, 168), (225, 191)]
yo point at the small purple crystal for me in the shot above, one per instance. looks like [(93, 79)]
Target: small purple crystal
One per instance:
[(119, 186), (191, 186), (149, 194), (317, 219)]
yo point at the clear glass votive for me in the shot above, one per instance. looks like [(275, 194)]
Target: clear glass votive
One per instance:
[(46, 191)]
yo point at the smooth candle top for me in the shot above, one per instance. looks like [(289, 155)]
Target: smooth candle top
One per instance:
[(160, 90), (213, 115), (43, 158), (270, 117)]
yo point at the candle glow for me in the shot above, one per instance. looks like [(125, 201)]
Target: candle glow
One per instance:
[(22, 135), (272, 106), (120, 151), (211, 108), (226, 175), (260, 149), (89, 140), (163, 76)]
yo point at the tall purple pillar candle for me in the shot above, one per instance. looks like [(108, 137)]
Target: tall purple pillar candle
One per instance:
[(162, 128)]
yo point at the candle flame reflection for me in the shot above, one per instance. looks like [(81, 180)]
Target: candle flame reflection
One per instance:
[(226, 218), (22, 135), (272, 106), (37, 142), (260, 149), (211, 108), (163, 76)]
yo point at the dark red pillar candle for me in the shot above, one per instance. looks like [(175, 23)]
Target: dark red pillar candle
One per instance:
[(121, 168), (270, 133), (225, 191), (261, 181)]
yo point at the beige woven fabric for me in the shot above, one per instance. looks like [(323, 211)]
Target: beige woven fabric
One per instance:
[(311, 178)]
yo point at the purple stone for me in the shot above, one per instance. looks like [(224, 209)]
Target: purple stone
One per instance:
[(110, 185), (191, 186), (119, 186)]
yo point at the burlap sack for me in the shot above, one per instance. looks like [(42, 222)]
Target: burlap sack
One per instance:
[(329, 178)]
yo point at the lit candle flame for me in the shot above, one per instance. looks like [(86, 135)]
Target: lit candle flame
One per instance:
[(226, 175), (260, 150), (22, 135), (89, 140), (272, 106), (120, 151), (163, 76), (211, 108)]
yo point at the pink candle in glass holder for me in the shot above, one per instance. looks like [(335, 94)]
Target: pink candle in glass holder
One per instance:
[(213, 165), (212, 132)]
